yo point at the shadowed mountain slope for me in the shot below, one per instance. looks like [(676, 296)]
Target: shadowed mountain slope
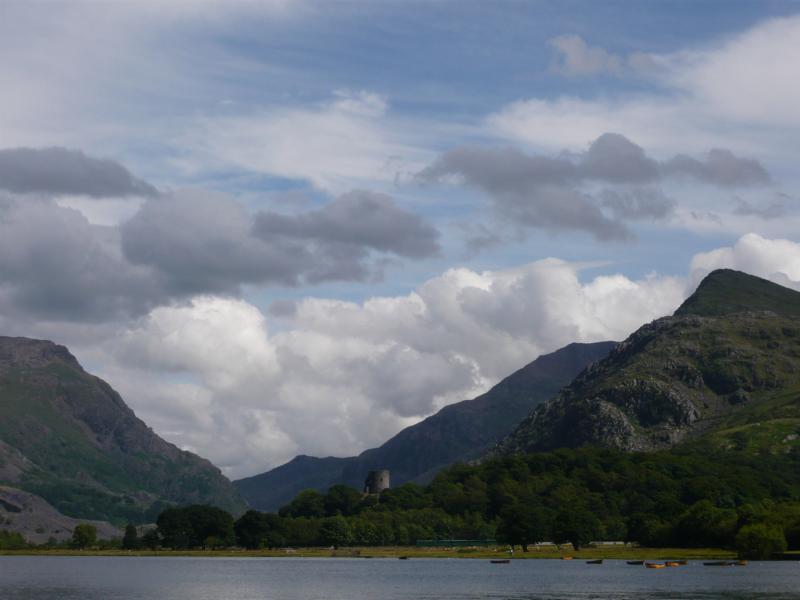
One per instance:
[(459, 432)]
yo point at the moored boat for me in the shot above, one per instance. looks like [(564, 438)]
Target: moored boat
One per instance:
[(718, 563), (598, 561), (638, 563), (650, 565), (500, 561)]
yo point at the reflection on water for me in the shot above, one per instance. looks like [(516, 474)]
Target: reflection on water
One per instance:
[(122, 578)]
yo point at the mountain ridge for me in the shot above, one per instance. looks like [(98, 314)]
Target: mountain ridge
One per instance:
[(458, 432)]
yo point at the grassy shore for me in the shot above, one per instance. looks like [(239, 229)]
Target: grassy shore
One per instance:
[(606, 552)]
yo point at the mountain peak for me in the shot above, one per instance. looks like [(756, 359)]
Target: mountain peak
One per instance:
[(726, 291)]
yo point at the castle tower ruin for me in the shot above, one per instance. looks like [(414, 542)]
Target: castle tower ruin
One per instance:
[(376, 481)]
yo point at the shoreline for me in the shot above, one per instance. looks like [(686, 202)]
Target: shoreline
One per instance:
[(622, 553)]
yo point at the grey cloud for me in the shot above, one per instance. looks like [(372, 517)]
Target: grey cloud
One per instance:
[(201, 242), (283, 309), (614, 158), (55, 265), (63, 171), (774, 210), (360, 219), (498, 169), (719, 167), (638, 203), (557, 193)]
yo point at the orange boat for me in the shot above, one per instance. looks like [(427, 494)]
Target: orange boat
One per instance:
[(672, 563), (654, 565), (566, 558)]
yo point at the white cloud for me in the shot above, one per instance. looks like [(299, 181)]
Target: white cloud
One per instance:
[(741, 93), (346, 376), (775, 259), (333, 144)]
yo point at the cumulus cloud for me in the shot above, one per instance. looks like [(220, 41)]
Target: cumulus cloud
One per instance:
[(203, 242), (62, 171), (363, 370), (559, 192), (56, 265), (775, 259), (357, 218)]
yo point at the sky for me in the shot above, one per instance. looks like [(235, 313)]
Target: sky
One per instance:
[(297, 227)]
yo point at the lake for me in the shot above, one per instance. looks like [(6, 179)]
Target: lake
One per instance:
[(173, 578)]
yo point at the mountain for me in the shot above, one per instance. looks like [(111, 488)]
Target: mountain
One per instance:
[(725, 368), (459, 432), (66, 436)]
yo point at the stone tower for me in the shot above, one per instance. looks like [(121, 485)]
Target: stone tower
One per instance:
[(376, 481)]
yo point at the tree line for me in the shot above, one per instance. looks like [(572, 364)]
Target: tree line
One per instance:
[(679, 498), (667, 499)]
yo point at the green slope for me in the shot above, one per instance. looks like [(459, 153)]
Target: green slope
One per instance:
[(70, 438)]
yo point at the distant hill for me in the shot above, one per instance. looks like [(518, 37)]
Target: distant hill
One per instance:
[(66, 436), (458, 432), (724, 368)]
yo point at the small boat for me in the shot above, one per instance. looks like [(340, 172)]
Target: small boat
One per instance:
[(403, 557), (637, 563), (718, 563), (500, 561), (741, 563), (598, 561), (650, 565), (672, 563), (566, 558), (683, 563)]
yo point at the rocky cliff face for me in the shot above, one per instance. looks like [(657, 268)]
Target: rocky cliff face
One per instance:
[(459, 432), (70, 438), (680, 376)]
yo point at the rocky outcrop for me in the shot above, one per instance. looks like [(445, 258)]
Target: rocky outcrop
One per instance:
[(678, 376), (39, 522)]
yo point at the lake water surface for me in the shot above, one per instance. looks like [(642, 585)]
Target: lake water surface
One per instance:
[(133, 578)]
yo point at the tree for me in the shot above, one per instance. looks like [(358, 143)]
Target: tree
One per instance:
[(522, 524), (575, 525), (760, 541), (335, 531), (256, 530), (341, 500), (84, 535), (151, 540), (196, 526), (130, 541), (308, 503)]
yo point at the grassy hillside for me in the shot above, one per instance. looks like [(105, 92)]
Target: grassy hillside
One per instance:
[(69, 438)]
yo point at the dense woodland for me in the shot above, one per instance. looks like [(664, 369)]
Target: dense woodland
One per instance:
[(677, 499)]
